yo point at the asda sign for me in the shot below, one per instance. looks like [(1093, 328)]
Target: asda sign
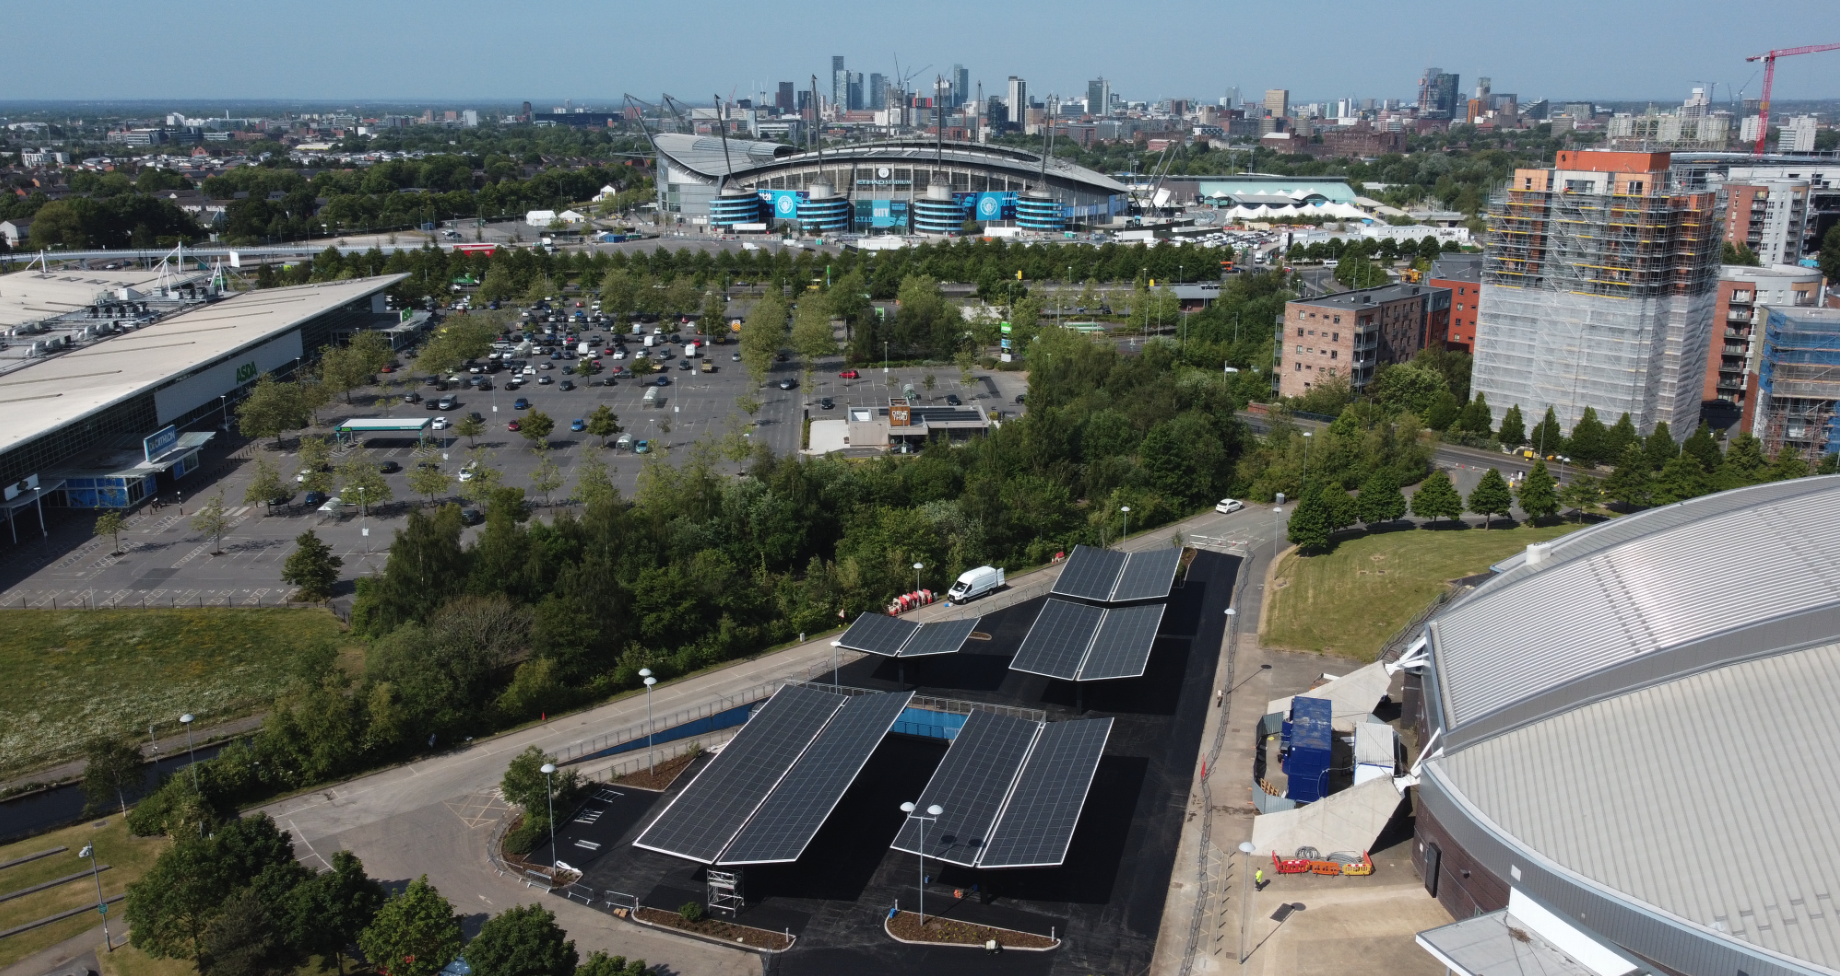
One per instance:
[(246, 372)]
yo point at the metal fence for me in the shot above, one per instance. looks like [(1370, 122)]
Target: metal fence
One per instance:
[(664, 752)]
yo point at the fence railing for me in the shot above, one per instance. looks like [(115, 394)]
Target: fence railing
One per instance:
[(664, 752)]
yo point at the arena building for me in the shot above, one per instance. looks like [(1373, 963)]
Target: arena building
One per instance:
[(901, 186), (98, 419), (1630, 761)]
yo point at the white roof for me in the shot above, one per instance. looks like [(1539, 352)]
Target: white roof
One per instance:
[(385, 423), (32, 296), (60, 389)]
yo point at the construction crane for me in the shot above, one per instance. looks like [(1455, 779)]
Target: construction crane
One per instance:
[(1769, 75)]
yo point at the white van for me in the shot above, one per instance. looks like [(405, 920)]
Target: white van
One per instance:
[(974, 583)]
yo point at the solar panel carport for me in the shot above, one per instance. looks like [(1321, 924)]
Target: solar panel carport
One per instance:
[(880, 634), (1107, 576), (1077, 642)]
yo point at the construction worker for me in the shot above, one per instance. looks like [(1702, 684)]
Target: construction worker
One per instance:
[(1258, 879)]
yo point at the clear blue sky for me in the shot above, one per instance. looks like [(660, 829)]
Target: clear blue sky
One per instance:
[(451, 52)]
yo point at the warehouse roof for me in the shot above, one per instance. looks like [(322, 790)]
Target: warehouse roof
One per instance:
[(33, 296), (1647, 706), (63, 388)]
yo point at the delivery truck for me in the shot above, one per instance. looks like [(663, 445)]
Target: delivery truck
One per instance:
[(974, 583)]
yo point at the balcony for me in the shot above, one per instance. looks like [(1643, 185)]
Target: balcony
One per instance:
[(1733, 350), (1742, 297)]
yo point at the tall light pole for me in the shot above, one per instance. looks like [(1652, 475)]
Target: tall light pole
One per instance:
[(549, 792), (364, 512), (186, 720), (932, 813), (89, 851), (1126, 509), (650, 758), (917, 568), (1245, 897), (1306, 464), (834, 646)]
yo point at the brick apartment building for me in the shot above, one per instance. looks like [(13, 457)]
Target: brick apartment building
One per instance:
[(1744, 292), (1462, 274), (1768, 216), (1353, 333)]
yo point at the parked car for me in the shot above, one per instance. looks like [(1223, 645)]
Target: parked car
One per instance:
[(521, 404), (514, 426), (952, 398), (315, 499), (566, 385), (788, 384), (642, 447), (578, 425), (736, 357), (1228, 506), (440, 423), (389, 467), (848, 374), (545, 380), (826, 404), (662, 381), (471, 516), (683, 364), (412, 397), (1022, 398), (447, 403)]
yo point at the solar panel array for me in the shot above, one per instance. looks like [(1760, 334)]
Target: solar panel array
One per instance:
[(1121, 648), (1010, 790), (1107, 576), (1090, 574), (1044, 808), (878, 633), (1147, 575), (791, 816), (971, 783), (1077, 642), (1057, 642), (707, 815)]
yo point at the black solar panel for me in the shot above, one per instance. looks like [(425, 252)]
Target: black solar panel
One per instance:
[(1148, 575), (1090, 573), (1122, 647), (940, 638), (1037, 824), (798, 806), (971, 783), (1057, 642), (878, 633), (703, 818)]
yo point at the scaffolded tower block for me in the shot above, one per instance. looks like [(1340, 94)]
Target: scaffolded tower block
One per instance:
[(1798, 384), (1598, 286)]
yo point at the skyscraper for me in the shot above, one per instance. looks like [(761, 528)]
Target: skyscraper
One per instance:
[(1277, 102), (1018, 102), (878, 91), (1599, 279), (855, 92), (1437, 94), (840, 83), (783, 100), (961, 85), (1099, 96)]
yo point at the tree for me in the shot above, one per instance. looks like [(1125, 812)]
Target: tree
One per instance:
[(415, 933), (428, 479), (1704, 448), (1829, 258), (271, 409), (604, 423), (480, 479), (344, 370), (108, 525), (1659, 446), (1538, 495), (715, 307), (522, 941), (1409, 386), (1436, 498), (1787, 465), (111, 767), (1513, 431), (358, 474), (1621, 435), (1743, 463), (812, 336), (592, 484), (1380, 499), (1309, 525), (1340, 506), (526, 787), (265, 487), (470, 428), (762, 334), (1490, 497), (174, 903), (1475, 417), (536, 428), (584, 368), (1681, 478), (312, 567), (1739, 254), (601, 964), (1629, 483), (213, 520), (314, 472), (1583, 494), (244, 940), (330, 909), (1546, 438), (546, 476), (619, 295), (1589, 440)]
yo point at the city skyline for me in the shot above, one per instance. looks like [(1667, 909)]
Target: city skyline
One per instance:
[(473, 51)]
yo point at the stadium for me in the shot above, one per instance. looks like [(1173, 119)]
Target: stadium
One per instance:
[(901, 186), (1630, 762)]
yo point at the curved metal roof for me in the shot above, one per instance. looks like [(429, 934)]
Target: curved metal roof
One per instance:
[(703, 155), (1649, 710)]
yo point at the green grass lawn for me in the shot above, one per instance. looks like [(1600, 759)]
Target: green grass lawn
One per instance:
[(1349, 600), (127, 856), (71, 674)]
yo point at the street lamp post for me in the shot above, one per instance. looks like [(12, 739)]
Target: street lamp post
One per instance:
[(1306, 464), (89, 851), (549, 791), (1126, 509), (223, 403), (1245, 897), (932, 814), (365, 513), (834, 646), (917, 568), (192, 762), (650, 759)]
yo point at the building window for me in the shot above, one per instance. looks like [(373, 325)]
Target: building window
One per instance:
[(1338, 320), (1332, 354), (1300, 330), (1335, 337), (1297, 366)]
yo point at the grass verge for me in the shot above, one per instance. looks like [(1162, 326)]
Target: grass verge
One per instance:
[(77, 673), (127, 856), (1349, 600)]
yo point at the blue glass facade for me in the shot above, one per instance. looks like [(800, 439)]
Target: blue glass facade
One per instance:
[(1040, 214), (730, 209), (939, 216), (825, 215)]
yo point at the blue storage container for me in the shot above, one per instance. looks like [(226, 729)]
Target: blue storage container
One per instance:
[(1307, 763)]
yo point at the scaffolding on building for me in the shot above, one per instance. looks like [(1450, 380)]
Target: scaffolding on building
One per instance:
[(1798, 386), (1599, 299)]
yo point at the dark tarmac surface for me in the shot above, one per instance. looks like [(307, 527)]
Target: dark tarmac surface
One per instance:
[(1105, 902)]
